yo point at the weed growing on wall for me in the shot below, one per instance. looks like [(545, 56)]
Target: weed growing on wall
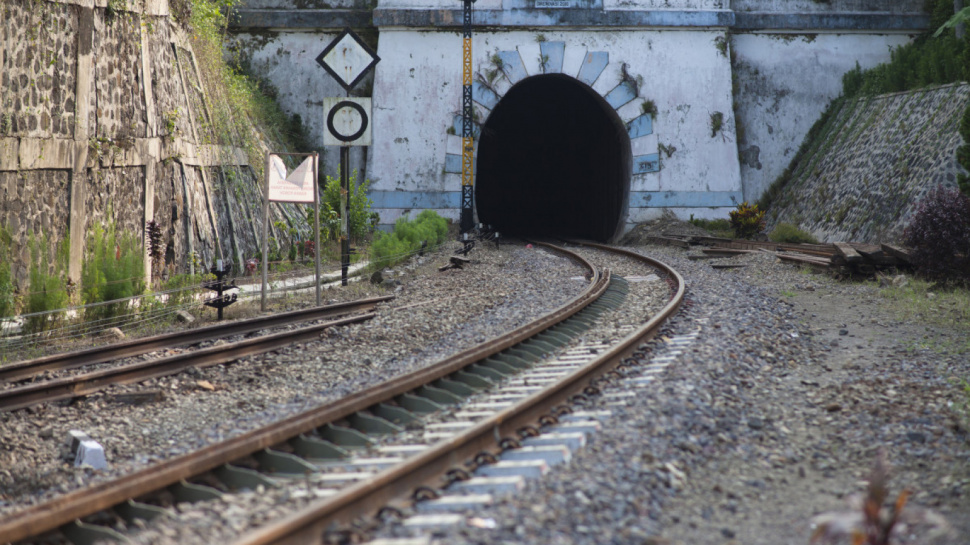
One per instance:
[(114, 268), (717, 123), (649, 107), (786, 232), (235, 101)]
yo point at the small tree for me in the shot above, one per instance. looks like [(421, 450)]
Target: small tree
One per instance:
[(939, 235)]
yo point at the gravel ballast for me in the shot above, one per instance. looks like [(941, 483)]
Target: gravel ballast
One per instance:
[(774, 416), (433, 315)]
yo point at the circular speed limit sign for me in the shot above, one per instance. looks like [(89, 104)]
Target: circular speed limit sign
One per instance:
[(347, 121)]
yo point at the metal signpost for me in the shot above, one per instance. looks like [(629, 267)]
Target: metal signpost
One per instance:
[(299, 187), (347, 59), (466, 221)]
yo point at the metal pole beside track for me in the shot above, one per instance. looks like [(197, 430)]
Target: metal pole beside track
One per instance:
[(265, 249), (316, 223)]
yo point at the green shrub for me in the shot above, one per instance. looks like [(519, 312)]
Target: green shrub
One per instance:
[(939, 234), (361, 219), (114, 268), (407, 238), (438, 224), (747, 220), (48, 289), (7, 302), (786, 232), (388, 250)]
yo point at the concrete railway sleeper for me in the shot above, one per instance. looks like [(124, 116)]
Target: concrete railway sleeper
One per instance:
[(327, 432)]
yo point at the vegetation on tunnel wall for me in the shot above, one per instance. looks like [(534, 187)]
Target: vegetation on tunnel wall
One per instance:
[(236, 102), (936, 57)]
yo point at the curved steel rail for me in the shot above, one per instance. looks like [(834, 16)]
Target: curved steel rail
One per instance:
[(27, 369), (428, 467), (50, 515)]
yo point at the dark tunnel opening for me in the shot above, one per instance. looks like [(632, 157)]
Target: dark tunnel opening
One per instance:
[(553, 159)]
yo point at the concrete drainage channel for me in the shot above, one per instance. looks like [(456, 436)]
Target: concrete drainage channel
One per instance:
[(536, 455)]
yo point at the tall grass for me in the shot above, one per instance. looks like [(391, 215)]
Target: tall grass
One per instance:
[(48, 287), (7, 303), (114, 268)]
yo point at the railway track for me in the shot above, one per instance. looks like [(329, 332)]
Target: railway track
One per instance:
[(506, 387), (17, 396)]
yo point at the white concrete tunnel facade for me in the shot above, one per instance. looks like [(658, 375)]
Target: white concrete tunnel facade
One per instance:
[(686, 75)]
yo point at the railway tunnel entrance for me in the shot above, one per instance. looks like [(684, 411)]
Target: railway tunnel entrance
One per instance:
[(553, 159)]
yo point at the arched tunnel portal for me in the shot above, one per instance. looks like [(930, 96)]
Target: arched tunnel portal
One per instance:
[(553, 159)]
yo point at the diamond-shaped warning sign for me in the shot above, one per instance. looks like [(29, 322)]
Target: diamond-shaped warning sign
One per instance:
[(348, 59)]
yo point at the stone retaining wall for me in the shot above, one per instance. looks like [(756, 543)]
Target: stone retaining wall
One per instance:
[(103, 120), (872, 163)]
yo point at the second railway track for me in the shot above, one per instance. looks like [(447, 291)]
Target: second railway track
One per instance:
[(52, 389), (335, 430)]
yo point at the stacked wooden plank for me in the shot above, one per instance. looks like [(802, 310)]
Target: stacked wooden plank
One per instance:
[(842, 257)]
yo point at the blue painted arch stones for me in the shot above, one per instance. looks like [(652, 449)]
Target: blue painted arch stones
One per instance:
[(593, 68)]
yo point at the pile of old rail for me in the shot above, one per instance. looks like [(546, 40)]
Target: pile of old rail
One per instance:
[(428, 468), (841, 257), (411, 390), (87, 383)]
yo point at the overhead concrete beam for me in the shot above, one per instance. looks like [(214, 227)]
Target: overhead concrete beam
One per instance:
[(807, 22), (311, 19), (555, 17)]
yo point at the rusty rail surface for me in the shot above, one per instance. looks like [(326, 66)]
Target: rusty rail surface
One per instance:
[(70, 360), (48, 516), (427, 468), (88, 383)]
